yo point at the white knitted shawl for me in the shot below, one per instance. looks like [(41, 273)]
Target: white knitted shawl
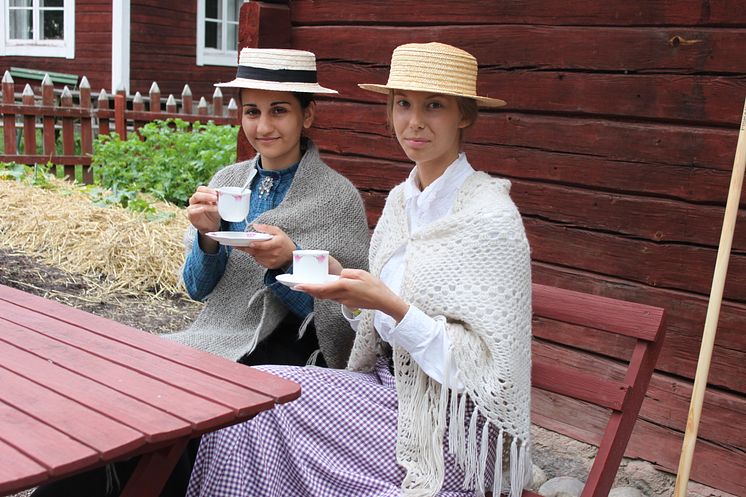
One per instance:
[(473, 268)]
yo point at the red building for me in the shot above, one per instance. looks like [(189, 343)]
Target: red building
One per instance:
[(121, 43)]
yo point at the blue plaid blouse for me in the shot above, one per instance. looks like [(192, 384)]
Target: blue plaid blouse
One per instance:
[(202, 271)]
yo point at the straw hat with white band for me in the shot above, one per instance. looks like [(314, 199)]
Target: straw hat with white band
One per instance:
[(276, 69), (435, 68)]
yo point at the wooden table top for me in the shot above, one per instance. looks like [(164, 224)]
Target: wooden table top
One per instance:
[(78, 391)]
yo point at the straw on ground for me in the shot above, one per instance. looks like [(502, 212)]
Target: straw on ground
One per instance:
[(115, 248)]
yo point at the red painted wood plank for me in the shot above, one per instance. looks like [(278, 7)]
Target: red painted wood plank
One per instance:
[(568, 382), (553, 12), (650, 218), (668, 397), (715, 465), (692, 184), (182, 404), (685, 322), (106, 436), (541, 47), (155, 423), (230, 397), (704, 99), (670, 266), (600, 139), (615, 316), (17, 471), (35, 439), (248, 378), (629, 213)]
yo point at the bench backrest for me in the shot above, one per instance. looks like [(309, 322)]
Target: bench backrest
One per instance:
[(611, 320)]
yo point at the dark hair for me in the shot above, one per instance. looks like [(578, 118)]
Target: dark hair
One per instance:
[(304, 99), (467, 107)]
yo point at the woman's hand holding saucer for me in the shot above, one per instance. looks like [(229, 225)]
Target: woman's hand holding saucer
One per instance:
[(359, 289), (274, 253)]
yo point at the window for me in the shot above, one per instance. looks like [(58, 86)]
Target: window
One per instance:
[(38, 28), (217, 32)]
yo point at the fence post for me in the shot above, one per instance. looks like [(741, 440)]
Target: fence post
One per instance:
[(171, 104), (68, 133), (29, 123), (186, 100), (138, 106), (155, 97), (9, 120), (217, 102), (103, 104), (48, 100), (86, 128), (120, 125)]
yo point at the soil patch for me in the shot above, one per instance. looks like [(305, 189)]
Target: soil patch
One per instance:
[(157, 315)]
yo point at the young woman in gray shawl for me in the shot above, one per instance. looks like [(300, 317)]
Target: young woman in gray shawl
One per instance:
[(435, 400), (301, 202), (251, 317)]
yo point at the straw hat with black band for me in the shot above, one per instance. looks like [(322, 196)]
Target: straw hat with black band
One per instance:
[(276, 69), (434, 68)]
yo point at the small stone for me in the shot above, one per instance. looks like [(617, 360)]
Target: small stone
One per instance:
[(562, 486), (625, 492), (538, 476)]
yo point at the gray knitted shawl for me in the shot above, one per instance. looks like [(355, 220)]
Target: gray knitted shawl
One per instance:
[(321, 210)]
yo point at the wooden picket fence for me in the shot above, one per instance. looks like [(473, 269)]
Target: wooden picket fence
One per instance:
[(22, 115)]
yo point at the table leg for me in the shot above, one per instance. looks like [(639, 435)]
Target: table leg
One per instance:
[(153, 470)]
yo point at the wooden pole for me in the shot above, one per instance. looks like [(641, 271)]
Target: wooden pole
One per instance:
[(713, 312)]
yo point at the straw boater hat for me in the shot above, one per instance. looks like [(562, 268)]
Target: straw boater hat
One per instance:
[(277, 69), (435, 68)]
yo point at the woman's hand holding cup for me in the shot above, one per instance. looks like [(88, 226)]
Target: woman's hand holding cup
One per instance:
[(202, 211), (274, 253)]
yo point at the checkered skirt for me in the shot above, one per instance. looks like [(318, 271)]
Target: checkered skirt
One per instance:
[(337, 440)]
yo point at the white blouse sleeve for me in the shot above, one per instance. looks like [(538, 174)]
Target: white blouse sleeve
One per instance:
[(426, 340), (352, 317)]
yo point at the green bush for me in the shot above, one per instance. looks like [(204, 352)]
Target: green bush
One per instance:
[(171, 160)]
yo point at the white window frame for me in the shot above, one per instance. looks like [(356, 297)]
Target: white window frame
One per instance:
[(64, 48), (211, 56)]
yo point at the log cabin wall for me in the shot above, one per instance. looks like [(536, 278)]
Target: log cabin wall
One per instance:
[(619, 138), (92, 49)]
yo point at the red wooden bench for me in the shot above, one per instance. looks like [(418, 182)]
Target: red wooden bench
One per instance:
[(573, 312)]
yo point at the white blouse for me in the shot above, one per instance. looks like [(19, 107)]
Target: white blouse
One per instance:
[(423, 336)]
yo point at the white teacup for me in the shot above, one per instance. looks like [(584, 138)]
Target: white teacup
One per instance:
[(311, 265), (233, 203)]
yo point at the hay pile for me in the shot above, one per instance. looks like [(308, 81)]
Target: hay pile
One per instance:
[(114, 248)]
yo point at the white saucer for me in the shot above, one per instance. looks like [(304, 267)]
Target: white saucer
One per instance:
[(238, 238), (291, 280)]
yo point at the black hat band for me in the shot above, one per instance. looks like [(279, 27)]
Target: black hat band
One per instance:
[(276, 75)]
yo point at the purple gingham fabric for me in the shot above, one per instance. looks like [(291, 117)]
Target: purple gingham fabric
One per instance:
[(337, 440)]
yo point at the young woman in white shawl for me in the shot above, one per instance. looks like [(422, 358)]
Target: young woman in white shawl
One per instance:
[(435, 399)]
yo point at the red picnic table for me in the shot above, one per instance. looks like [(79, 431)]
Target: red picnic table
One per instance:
[(78, 391)]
